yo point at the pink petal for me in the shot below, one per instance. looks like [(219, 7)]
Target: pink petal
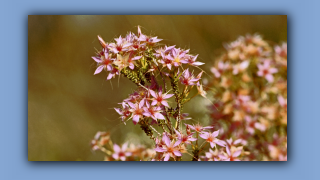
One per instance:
[(184, 61), (228, 150), (167, 157), (132, 105), (141, 104), (204, 136), (116, 148), (269, 77), (153, 94), (136, 58), (220, 143), (177, 143), (168, 96), (197, 63), (154, 102), (148, 114), (169, 66), (99, 69), (98, 60), (166, 140), (244, 64), (109, 76), (191, 127), (273, 70), (212, 144), (237, 153), (115, 156), (229, 141), (122, 158), (208, 127), (208, 155), (124, 146), (165, 103), (131, 66), (109, 67), (237, 141), (159, 116), (235, 71), (177, 153), (159, 149), (223, 157), (215, 133), (135, 119), (118, 111)]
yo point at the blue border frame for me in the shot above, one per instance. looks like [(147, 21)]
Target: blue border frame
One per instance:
[(303, 38)]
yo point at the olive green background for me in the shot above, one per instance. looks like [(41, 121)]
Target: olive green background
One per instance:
[(67, 104)]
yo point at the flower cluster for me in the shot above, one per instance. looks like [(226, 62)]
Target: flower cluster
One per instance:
[(250, 83), (249, 118), (165, 81), (113, 152)]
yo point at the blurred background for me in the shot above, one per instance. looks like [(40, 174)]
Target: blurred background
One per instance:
[(67, 104)]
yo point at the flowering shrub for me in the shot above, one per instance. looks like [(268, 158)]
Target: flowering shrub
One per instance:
[(250, 83), (165, 77)]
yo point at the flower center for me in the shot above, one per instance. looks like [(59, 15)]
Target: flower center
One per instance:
[(121, 154), (265, 71)]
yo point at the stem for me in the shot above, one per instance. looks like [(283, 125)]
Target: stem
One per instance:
[(190, 98), (154, 130), (203, 147), (164, 81)]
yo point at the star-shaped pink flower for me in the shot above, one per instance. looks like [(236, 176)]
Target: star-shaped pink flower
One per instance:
[(211, 138), (137, 110), (159, 98), (120, 153), (169, 149), (266, 71)]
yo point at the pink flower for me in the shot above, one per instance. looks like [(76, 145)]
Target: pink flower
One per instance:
[(252, 124), (187, 78), (231, 154), (238, 68), (221, 68), (211, 138), (153, 112), (198, 127), (266, 71), (213, 155), (281, 50), (191, 60), (120, 153), (160, 98), (147, 39), (166, 61), (121, 46), (137, 110), (169, 149), (113, 73), (282, 102), (242, 100), (104, 62), (185, 138), (124, 112), (178, 55), (163, 50), (131, 61), (233, 143)]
